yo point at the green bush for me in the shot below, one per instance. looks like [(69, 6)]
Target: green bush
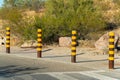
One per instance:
[(60, 18)]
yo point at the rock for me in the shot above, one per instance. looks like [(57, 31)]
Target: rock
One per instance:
[(65, 41), (103, 42), (29, 44)]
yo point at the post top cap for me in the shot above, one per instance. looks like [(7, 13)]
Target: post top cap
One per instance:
[(8, 28), (39, 30)]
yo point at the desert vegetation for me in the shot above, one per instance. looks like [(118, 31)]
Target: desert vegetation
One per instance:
[(59, 17)]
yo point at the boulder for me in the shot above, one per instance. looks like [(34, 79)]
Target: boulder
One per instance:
[(29, 44), (64, 41), (103, 42)]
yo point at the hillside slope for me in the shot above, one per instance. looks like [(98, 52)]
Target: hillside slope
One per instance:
[(111, 10)]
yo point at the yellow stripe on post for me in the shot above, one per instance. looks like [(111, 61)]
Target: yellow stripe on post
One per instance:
[(7, 32), (73, 48), (39, 44), (39, 35), (73, 43), (73, 53), (111, 58), (7, 46), (111, 46), (8, 41), (73, 37), (39, 39), (7, 37), (111, 40), (8, 28), (111, 52), (39, 49)]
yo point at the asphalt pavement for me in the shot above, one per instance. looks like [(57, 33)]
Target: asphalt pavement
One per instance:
[(55, 64)]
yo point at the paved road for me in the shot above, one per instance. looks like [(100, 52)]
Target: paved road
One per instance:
[(17, 68)]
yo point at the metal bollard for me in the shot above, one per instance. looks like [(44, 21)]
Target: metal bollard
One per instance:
[(111, 50), (39, 45), (73, 49), (7, 40)]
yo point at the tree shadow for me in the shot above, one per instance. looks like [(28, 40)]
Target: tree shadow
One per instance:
[(14, 70), (80, 54), (94, 60), (117, 68), (29, 51), (61, 55), (46, 50)]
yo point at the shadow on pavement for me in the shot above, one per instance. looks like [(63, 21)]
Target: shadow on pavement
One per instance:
[(14, 70), (29, 50), (46, 50), (61, 56), (117, 68), (92, 60)]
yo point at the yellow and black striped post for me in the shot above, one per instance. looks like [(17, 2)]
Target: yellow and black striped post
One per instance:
[(73, 48), (111, 50), (39, 45), (7, 40)]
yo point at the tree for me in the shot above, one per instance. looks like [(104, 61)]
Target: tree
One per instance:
[(12, 13), (9, 3), (22, 4), (62, 16), (59, 19)]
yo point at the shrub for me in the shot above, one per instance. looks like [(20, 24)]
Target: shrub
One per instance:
[(63, 16), (60, 18)]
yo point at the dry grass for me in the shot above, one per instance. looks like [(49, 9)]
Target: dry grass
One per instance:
[(86, 43)]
